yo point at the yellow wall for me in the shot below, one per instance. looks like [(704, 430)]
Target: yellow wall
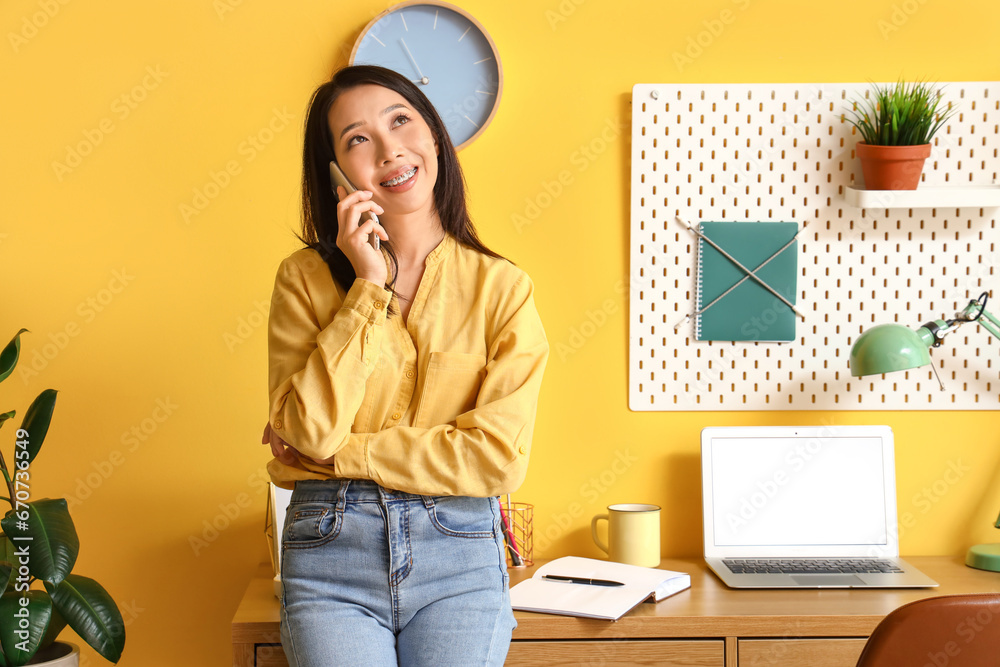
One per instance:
[(152, 325)]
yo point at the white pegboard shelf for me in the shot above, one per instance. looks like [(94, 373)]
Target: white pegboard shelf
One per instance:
[(782, 152), (961, 196)]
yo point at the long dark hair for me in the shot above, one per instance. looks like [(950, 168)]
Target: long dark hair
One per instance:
[(319, 199)]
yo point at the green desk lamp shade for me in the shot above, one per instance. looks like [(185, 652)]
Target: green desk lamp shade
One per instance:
[(890, 347)]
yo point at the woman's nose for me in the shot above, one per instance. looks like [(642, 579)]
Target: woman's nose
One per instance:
[(389, 150)]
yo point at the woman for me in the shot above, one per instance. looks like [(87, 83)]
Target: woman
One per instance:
[(403, 385)]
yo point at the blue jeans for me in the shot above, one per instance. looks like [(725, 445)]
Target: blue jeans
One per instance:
[(375, 577)]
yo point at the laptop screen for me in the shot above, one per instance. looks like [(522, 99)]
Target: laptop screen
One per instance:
[(797, 488)]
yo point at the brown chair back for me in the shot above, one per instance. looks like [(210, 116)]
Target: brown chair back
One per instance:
[(952, 630)]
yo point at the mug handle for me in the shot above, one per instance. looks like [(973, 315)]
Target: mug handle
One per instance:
[(593, 531)]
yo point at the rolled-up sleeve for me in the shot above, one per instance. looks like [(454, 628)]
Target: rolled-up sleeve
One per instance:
[(317, 375)]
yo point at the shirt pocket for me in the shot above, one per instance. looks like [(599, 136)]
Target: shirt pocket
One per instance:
[(451, 387)]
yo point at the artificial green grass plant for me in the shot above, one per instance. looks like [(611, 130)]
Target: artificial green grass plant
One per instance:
[(900, 114)]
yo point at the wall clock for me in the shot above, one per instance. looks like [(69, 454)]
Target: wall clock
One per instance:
[(446, 53)]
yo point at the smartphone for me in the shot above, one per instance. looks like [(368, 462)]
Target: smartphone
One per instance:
[(338, 178)]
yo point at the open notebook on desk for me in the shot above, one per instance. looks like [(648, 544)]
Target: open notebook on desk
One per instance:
[(594, 601)]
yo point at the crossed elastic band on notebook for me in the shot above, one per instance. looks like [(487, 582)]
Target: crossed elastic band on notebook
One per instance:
[(749, 274)]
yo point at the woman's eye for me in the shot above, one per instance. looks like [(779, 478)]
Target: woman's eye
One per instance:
[(355, 140), (400, 120)]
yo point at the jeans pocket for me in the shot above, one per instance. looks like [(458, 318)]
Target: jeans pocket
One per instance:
[(311, 524), (461, 516)]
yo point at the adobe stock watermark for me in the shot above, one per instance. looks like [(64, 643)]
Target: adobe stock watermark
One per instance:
[(713, 28), (87, 310), (562, 12), (132, 440), (795, 460), (591, 491), (595, 319), (246, 325), (758, 326), (20, 490), (900, 16), (32, 23), (248, 150), (970, 286), (213, 527), (121, 108), (474, 102), (967, 630), (924, 501), (130, 612), (224, 7), (580, 160)]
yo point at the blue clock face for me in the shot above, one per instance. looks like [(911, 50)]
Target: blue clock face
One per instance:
[(446, 54)]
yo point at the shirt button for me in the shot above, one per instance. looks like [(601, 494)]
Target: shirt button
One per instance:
[(409, 374), (277, 423), (396, 415), (378, 305), (523, 450)]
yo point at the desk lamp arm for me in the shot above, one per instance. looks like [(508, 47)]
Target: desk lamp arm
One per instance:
[(974, 312)]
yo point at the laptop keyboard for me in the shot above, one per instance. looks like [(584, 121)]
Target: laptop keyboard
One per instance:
[(810, 566)]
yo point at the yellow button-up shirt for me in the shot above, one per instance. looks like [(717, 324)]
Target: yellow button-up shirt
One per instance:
[(441, 405)]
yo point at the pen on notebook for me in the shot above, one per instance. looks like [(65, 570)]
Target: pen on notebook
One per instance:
[(581, 580)]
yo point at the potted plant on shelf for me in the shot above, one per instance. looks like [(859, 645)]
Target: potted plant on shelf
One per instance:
[(39, 544), (897, 122)]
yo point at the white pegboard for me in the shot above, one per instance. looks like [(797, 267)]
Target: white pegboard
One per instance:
[(781, 152)]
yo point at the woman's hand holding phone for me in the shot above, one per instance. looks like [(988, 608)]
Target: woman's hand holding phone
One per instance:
[(352, 235)]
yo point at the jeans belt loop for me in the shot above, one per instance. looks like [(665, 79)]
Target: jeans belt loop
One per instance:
[(342, 495)]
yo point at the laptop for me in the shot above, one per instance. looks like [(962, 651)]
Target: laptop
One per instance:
[(803, 507)]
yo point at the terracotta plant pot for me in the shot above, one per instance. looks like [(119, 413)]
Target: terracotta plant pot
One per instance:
[(892, 167), (59, 654)]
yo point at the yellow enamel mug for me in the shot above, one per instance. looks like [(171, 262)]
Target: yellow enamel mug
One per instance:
[(633, 534)]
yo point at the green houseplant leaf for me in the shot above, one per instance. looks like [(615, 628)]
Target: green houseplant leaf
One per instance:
[(8, 562), (54, 544), (47, 527), (17, 647), (36, 421), (8, 358), (900, 114), (56, 625), (91, 612)]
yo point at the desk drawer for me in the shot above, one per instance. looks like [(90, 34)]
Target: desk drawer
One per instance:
[(270, 655), (661, 653), (674, 653), (812, 652)]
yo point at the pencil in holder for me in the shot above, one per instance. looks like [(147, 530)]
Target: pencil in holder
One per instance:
[(517, 532)]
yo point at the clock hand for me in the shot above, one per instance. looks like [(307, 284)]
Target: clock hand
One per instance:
[(423, 79)]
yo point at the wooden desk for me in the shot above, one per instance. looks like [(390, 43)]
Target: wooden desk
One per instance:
[(708, 625)]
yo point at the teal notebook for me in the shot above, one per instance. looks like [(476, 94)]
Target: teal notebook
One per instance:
[(749, 312)]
